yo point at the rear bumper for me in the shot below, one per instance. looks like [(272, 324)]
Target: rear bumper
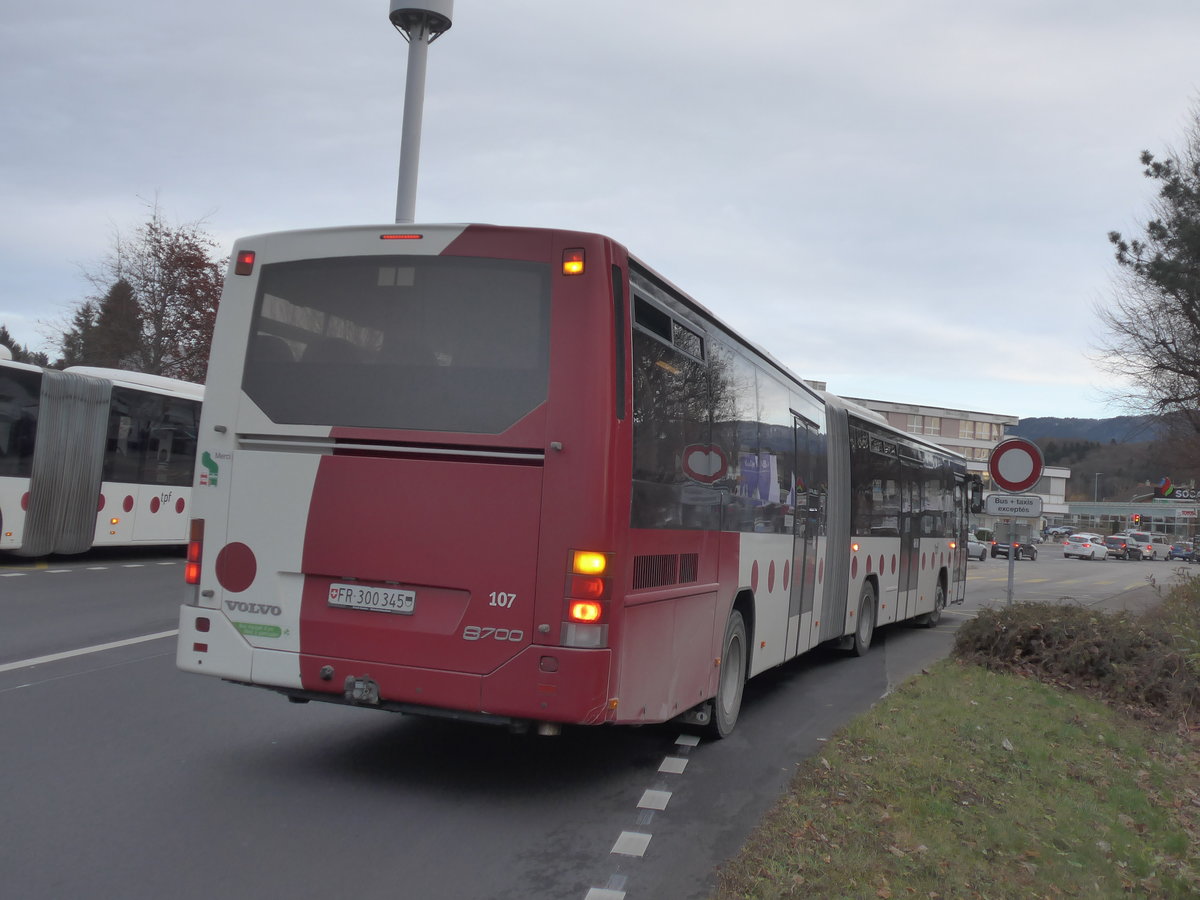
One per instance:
[(551, 684)]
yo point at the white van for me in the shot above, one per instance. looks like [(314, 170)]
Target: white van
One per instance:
[(1149, 545)]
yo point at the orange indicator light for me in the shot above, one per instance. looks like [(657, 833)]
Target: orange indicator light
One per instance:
[(854, 547), (587, 562), (573, 262)]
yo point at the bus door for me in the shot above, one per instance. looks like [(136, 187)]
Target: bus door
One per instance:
[(806, 510), (910, 534)]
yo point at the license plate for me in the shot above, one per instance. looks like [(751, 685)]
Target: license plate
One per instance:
[(379, 599)]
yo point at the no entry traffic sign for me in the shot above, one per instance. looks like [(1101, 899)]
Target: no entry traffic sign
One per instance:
[(1015, 465)]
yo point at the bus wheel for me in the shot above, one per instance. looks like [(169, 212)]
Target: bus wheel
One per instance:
[(731, 679), (930, 619), (861, 642)]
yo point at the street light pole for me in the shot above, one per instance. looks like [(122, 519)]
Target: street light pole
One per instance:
[(421, 24), (1096, 488)]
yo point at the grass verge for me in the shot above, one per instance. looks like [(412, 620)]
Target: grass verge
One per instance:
[(1053, 756)]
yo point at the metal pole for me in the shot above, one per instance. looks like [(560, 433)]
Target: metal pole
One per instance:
[(1012, 557), (410, 140), (1096, 488)]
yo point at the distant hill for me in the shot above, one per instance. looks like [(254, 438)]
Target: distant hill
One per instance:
[(1122, 429)]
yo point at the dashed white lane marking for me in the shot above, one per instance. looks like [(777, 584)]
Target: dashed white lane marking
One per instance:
[(12, 574), (631, 843), (673, 765), (54, 657), (654, 800)]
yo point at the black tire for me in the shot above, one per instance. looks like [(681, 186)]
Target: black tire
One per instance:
[(982, 555), (864, 631), (931, 619), (731, 679)]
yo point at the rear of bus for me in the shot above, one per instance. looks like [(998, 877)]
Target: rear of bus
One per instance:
[(408, 469)]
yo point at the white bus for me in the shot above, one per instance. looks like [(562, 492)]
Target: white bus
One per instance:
[(94, 457), (512, 474)]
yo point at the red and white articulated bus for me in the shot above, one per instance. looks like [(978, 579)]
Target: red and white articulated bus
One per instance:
[(93, 457), (513, 475)]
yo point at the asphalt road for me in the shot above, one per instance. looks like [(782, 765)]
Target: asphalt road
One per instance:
[(123, 777)]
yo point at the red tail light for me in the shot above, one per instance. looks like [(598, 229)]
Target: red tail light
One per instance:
[(191, 571), (587, 593)]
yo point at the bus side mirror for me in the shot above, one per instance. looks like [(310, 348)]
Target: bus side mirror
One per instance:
[(975, 496)]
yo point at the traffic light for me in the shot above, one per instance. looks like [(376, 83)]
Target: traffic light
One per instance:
[(1137, 518)]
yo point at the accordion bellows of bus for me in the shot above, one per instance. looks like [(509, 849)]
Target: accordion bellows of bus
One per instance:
[(513, 475)]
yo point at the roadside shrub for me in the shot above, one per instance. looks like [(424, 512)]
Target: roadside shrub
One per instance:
[(1149, 662)]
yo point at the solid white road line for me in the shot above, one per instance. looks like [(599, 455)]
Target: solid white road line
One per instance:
[(83, 651)]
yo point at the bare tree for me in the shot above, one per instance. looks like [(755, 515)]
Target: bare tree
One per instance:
[(1154, 320), (155, 302)]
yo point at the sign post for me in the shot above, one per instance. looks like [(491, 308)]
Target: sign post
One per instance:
[(1015, 465)]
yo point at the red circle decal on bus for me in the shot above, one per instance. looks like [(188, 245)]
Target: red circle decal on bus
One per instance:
[(25, 500), (100, 503), (771, 577), (154, 504), (179, 505), (236, 567), (787, 571), (754, 577), (128, 504)]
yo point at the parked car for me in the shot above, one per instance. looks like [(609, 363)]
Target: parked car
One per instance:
[(1023, 548), (976, 549), (1181, 550), (1119, 547), (1060, 531), (1085, 546), (1149, 545)]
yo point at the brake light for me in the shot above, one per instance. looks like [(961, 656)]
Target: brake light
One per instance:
[(244, 264), (585, 611), (191, 570), (401, 237)]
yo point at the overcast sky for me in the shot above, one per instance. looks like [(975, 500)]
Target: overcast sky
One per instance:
[(906, 200)]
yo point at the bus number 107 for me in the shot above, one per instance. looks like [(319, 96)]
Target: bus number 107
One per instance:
[(499, 598)]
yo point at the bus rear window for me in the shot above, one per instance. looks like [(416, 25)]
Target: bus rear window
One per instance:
[(407, 342)]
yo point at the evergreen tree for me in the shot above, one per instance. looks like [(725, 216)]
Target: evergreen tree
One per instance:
[(1155, 319), (76, 341), (116, 341), (21, 353)]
